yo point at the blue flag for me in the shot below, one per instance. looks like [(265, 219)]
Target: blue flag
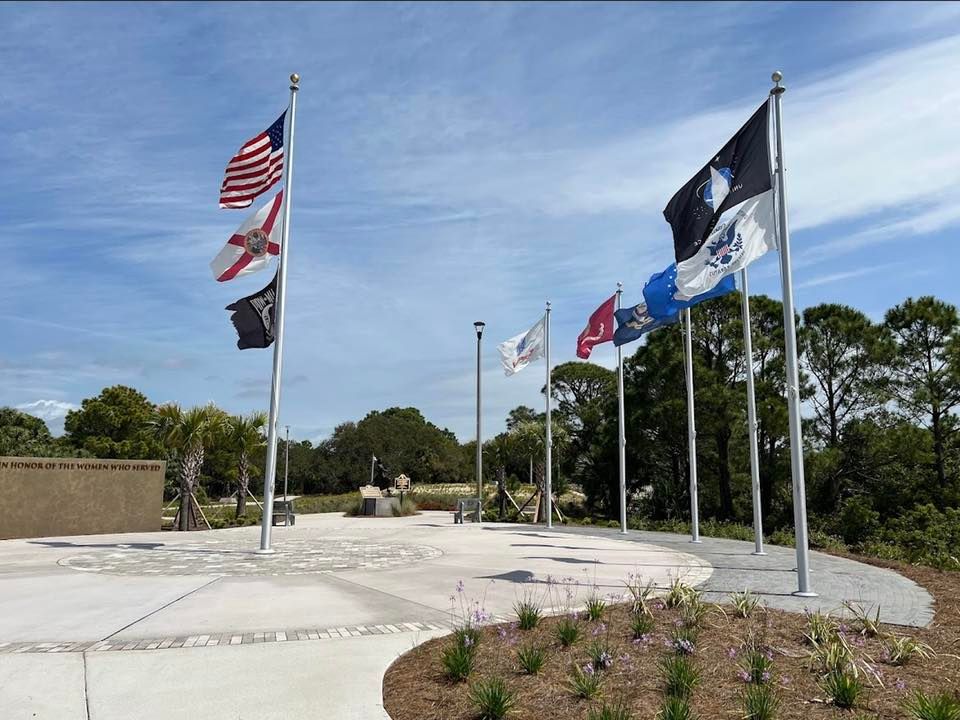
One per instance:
[(636, 321), (660, 292)]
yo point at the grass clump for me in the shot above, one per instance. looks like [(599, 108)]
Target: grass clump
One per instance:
[(600, 656), (932, 707), (531, 658), (680, 676), (683, 639), (640, 624), (679, 594), (821, 628), (568, 631), (844, 688), (492, 698), (610, 712), (744, 604), (595, 606), (760, 702), (756, 666), (458, 660), (900, 650), (675, 708), (585, 682), (528, 614)]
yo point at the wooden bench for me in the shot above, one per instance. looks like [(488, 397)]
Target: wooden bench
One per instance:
[(471, 505)]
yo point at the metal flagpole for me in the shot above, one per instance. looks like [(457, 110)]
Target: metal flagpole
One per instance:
[(548, 477), (691, 430), (373, 462), (751, 415), (478, 326), (622, 439), (793, 380), (286, 467), (271, 470)]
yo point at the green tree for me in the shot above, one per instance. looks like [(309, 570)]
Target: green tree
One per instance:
[(842, 353), (925, 368), (529, 440), (114, 424), (244, 436), (23, 435), (187, 434)]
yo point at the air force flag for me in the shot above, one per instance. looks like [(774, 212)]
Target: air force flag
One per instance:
[(520, 350), (634, 322), (660, 292), (723, 218)]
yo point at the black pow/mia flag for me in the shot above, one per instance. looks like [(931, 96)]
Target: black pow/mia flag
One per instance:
[(738, 172), (253, 317)]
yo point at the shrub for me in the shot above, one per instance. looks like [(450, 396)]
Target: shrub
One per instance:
[(568, 631), (760, 703), (869, 626), (835, 656), (744, 603), (900, 650), (585, 682), (693, 610), (531, 658), (843, 688), (528, 614), (858, 521), (679, 594), (610, 712), (640, 595), (492, 698), (458, 660), (641, 624), (932, 707), (595, 607), (680, 676), (675, 708)]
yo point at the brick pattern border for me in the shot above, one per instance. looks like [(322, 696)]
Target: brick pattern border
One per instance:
[(196, 641)]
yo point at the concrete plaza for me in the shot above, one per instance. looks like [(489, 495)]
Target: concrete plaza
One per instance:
[(197, 625)]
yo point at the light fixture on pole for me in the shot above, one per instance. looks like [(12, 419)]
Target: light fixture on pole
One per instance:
[(478, 326)]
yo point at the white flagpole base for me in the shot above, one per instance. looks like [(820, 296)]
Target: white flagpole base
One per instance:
[(760, 553), (808, 594), (264, 551)]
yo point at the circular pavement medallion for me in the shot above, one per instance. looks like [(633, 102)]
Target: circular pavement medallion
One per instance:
[(232, 557)]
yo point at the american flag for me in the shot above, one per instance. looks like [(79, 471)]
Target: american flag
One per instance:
[(255, 168)]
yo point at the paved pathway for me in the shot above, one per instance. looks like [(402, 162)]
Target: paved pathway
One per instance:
[(158, 624)]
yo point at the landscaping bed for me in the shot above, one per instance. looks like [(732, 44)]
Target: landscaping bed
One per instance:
[(769, 664)]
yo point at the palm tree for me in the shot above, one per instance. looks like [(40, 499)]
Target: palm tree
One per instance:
[(244, 436), (187, 433)]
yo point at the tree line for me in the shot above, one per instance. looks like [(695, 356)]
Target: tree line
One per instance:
[(879, 402)]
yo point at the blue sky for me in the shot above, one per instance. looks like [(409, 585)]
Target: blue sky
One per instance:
[(453, 163)]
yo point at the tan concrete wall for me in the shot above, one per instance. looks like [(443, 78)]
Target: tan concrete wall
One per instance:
[(45, 497)]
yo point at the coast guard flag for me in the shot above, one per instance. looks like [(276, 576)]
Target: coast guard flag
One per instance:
[(253, 317), (519, 351), (723, 218), (660, 292), (635, 322), (250, 247), (599, 329)]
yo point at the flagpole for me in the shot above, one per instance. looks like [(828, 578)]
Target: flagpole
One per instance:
[(793, 379), (270, 475), (751, 416), (691, 430), (548, 476), (622, 436)]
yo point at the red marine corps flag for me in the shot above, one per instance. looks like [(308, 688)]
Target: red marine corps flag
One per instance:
[(599, 329), (250, 247)]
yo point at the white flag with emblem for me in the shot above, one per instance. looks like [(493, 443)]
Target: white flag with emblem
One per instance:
[(744, 234), (519, 351)]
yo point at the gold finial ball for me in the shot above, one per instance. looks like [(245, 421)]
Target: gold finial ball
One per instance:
[(295, 78), (777, 76)]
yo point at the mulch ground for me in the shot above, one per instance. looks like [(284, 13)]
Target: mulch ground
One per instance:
[(415, 687)]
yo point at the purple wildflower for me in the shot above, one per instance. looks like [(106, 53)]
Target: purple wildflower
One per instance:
[(765, 677), (501, 632), (731, 652), (900, 685), (459, 586), (744, 675), (785, 680), (588, 669), (599, 629)]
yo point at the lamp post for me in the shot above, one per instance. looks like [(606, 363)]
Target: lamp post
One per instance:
[(478, 326)]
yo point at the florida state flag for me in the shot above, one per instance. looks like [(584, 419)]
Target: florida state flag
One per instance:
[(249, 249), (599, 329)]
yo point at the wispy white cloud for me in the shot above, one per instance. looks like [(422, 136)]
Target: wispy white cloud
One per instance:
[(52, 412)]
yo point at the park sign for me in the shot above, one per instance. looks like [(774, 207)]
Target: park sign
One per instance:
[(402, 482), (45, 497)]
